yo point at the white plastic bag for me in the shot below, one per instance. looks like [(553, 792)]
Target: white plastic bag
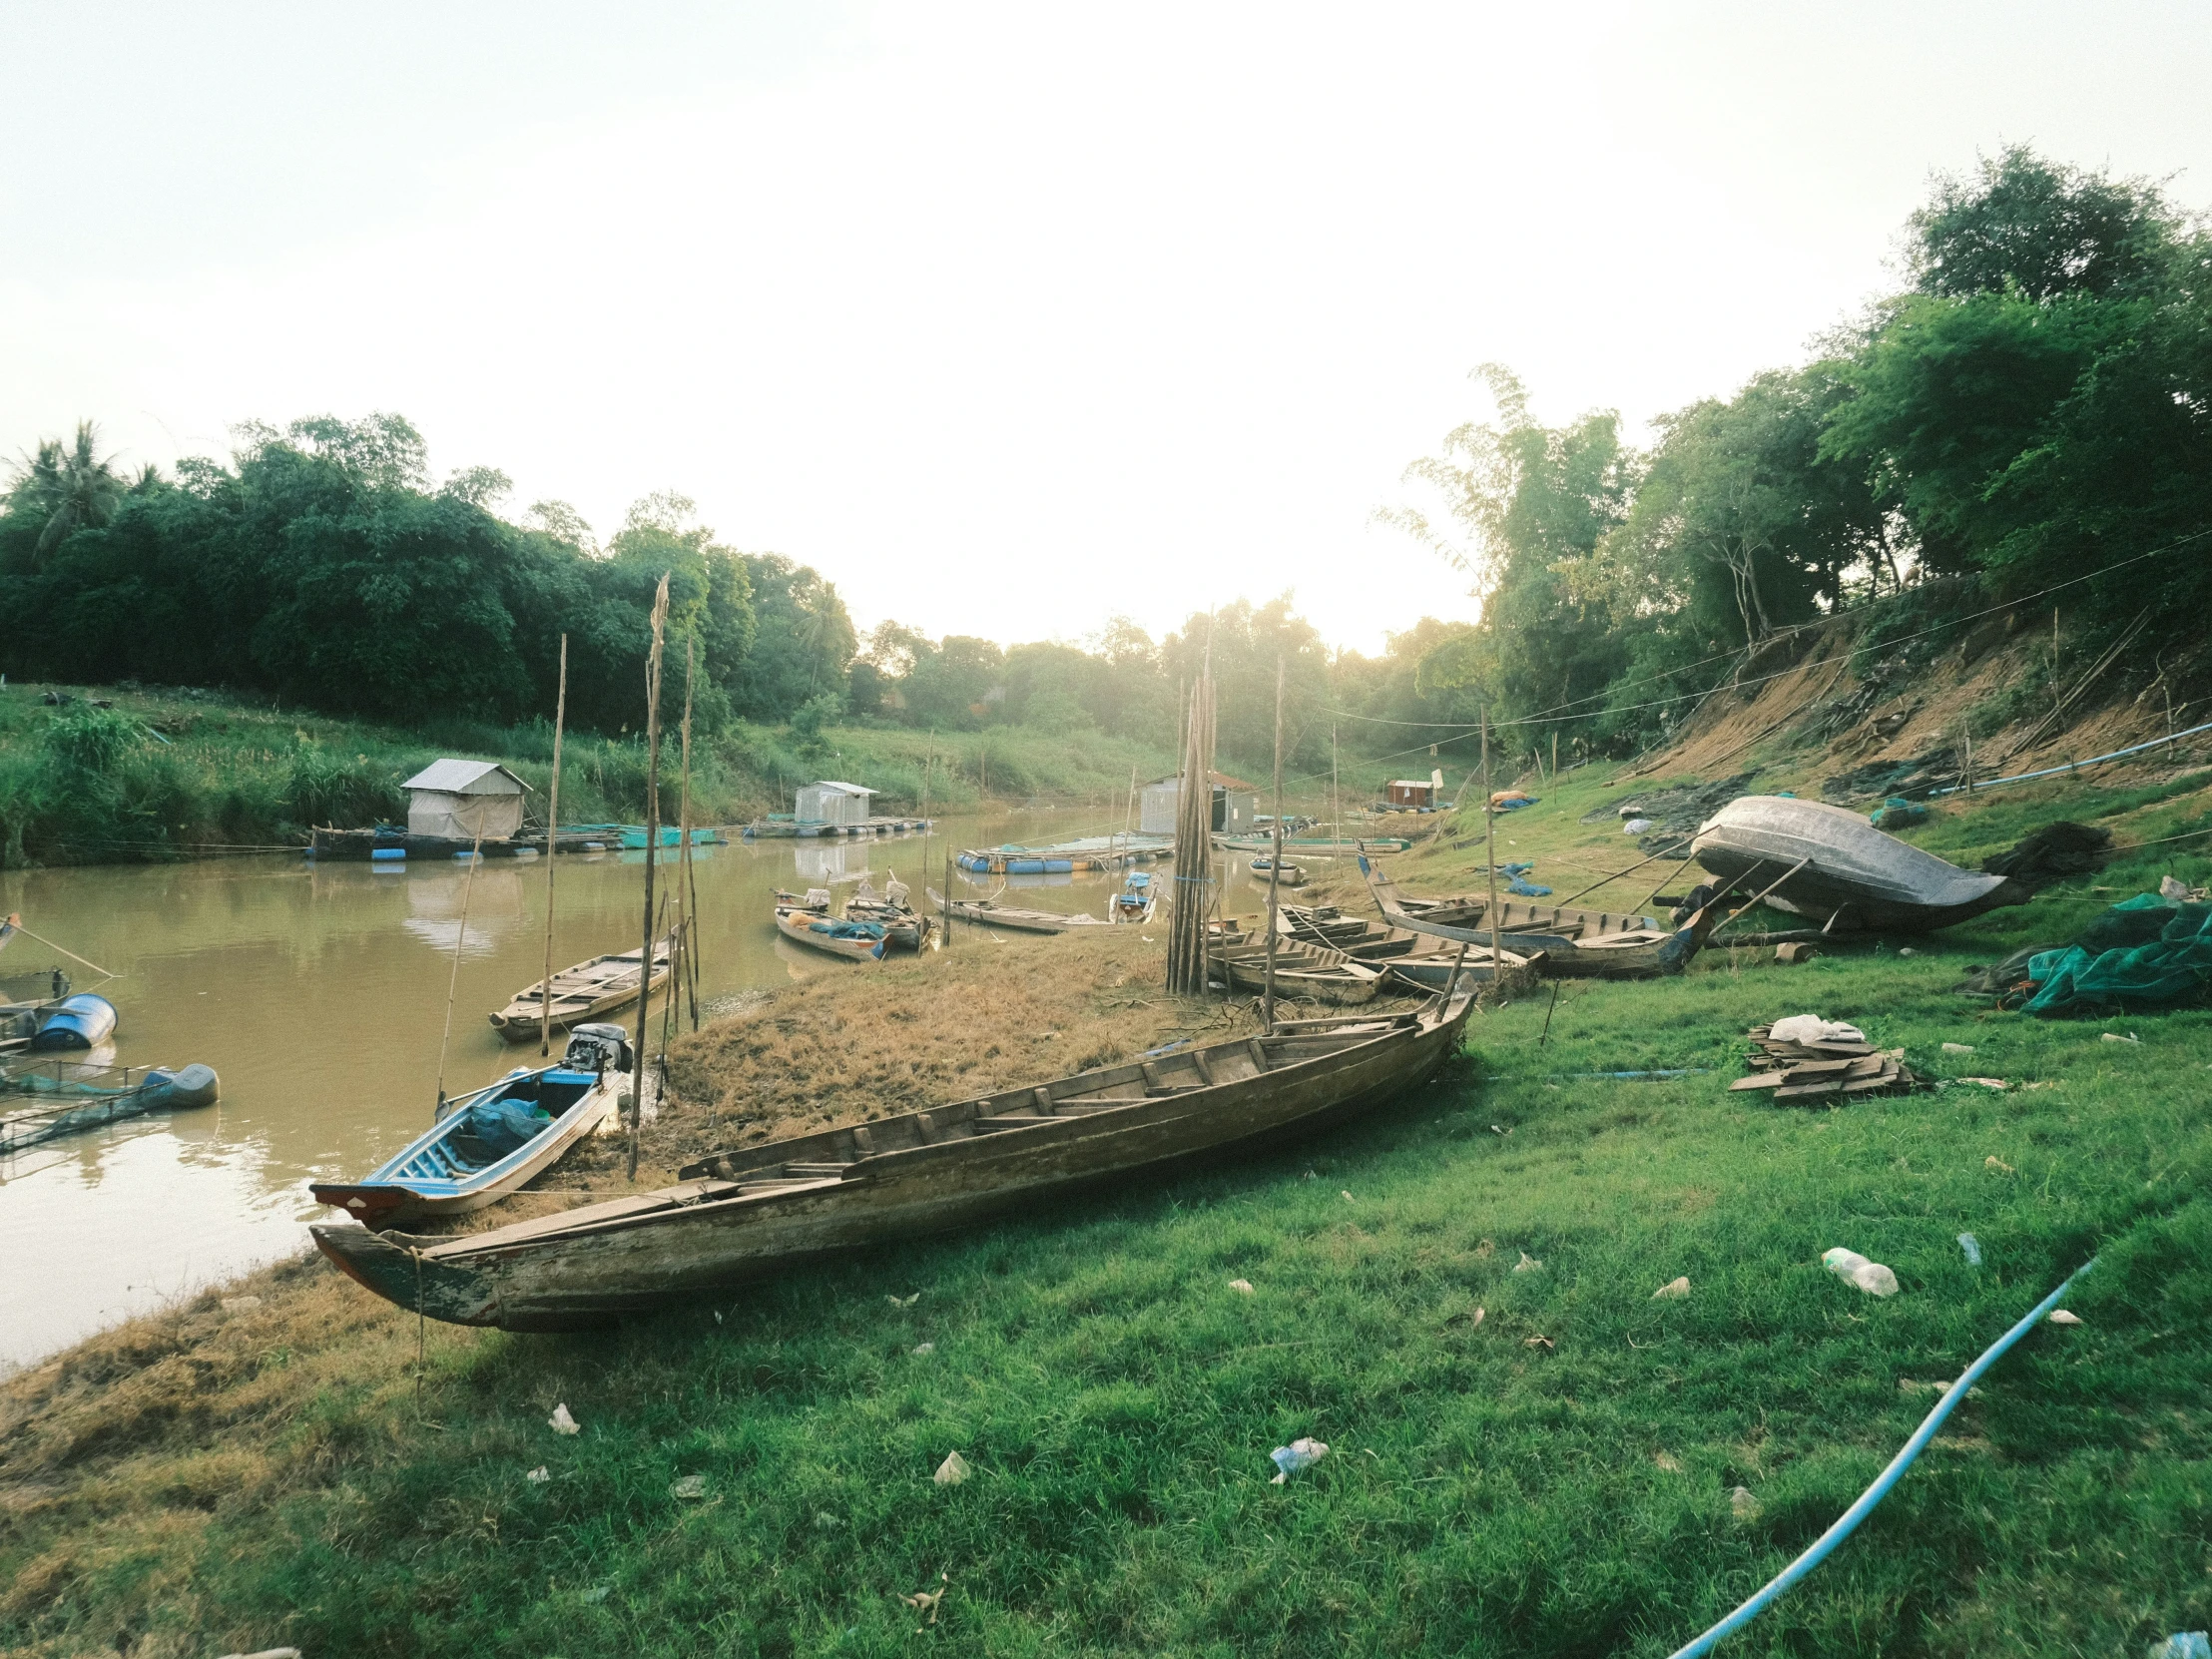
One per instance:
[(1855, 1268), (1811, 1028), (1299, 1456)]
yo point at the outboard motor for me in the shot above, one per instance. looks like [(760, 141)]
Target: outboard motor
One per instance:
[(600, 1048)]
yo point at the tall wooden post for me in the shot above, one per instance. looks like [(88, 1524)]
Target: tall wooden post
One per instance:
[(1275, 865), (552, 829), (686, 979), (1489, 844), (652, 856)]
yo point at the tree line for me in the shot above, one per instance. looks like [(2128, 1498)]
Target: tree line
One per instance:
[(2035, 406)]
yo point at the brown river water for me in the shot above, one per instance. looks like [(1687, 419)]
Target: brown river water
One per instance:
[(319, 995)]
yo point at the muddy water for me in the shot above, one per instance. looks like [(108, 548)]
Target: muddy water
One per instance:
[(320, 993)]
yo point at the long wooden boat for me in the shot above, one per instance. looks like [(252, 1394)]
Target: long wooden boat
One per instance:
[(755, 1212), (1561, 945), (590, 990), (984, 913), (1315, 847), (1856, 877), (1418, 961), (812, 925), (1290, 876), (489, 1143), (1313, 971)]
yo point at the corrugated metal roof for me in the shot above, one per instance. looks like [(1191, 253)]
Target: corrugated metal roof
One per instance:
[(464, 778), (848, 788)]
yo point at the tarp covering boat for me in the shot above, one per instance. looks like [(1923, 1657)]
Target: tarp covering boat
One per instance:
[(1855, 875)]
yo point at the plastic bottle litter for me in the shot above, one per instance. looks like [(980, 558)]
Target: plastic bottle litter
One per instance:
[(925, 1348), (1743, 1506), (2183, 1644), (953, 1470), (561, 1422), (1243, 1287), (1811, 1028), (2060, 1316), (1636, 826), (1526, 1264), (1958, 1049), (1673, 1289), (1855, 1268), (692, 1485), (1972, 1246), (2115, 1037), (1294, 1458)]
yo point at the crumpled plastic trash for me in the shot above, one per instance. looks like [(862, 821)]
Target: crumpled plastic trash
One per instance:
[(929, 1601), (1958, 1049), (2185, 1644), (539, 1475), (1972, 1247), (2060, 1316), (1811, 1028), (1636, 826), (1743, 1506), (1993, 1162), (1526, 1264), (1243, 1287), (953, 1470), (561, 1422), (1673, 1289), (1855, 1268), (692, 1485), (925, 1348), (1294, 1458), (2172, 892)]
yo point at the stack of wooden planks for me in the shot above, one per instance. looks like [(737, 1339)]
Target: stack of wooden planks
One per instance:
[(1821, 1070)]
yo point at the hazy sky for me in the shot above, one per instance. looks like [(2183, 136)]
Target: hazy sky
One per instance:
[(1005, 319)]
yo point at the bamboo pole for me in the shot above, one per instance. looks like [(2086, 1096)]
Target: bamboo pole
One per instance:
[(685, 889), (468, 887), (1490, 845), (552, 830), (1275, 865), (652, 856)]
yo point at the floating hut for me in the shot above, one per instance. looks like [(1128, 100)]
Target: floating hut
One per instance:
[(1236, 806), (464, 801)]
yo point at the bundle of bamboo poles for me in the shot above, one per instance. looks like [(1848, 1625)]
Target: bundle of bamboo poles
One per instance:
[(1193, 844)]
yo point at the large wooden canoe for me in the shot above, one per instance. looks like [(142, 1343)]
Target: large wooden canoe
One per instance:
[(752, 1212), (904, 927), (817, 929), (489, 1143), (1305, 971), (983, 912), (588, 991)]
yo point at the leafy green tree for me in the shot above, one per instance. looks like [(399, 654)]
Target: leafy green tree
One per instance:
[(804, 640), (2025, 225), (64, 488)]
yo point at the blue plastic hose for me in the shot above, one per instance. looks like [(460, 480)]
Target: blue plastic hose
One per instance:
[(1848, 1522)]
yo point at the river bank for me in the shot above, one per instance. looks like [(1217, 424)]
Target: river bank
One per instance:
[(167, 774), (1530, 1455)]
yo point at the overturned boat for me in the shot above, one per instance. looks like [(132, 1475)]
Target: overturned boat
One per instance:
[(751, 1213), (1856, 878)]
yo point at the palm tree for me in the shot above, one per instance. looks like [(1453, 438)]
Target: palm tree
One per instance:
[(72, 487)]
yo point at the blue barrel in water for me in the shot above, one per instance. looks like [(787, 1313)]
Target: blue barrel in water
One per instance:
[(387, 855), (75, 1022)]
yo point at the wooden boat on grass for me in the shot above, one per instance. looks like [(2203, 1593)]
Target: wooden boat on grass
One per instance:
[(1558, 942), (756, 1212), (808, 921), (489, 1143), (1419, 961), (1315, 846), (1854, 876), (1311, 971), (1291, 876), (986, 912), (588, 991)]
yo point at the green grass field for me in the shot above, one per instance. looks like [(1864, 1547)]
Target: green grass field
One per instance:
[(1524, 1460)]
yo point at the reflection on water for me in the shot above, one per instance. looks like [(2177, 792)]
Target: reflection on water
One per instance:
[(318, 994)]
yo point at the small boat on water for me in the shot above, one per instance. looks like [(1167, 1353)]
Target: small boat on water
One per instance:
[(588, 991), (904, 927), (1315, 846), (986, 912), (755, 1212), (1290, 876), (1314, 972), (808, 921), (67, 1105), (489, 1143), (1136, 899), (1856, 878)]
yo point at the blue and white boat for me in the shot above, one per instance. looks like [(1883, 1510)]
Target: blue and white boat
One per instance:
[(487, 1144)]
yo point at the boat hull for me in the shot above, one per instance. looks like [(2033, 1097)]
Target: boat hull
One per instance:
[(521, 1019), (795, 926), (1875, 882), (696, 1242)]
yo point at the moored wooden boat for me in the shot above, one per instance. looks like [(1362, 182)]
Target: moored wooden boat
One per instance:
[(1313, 971), (755, 1212), (1136, 899), (1854, 876), (904, 927), (984, 913), (590, 990), (808, 921), (1559, 943), (489, 1143), (1290, 876), (1315, 847)]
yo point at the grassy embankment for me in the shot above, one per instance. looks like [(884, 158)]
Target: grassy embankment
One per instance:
[(166, 775), (1534, 1461)]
